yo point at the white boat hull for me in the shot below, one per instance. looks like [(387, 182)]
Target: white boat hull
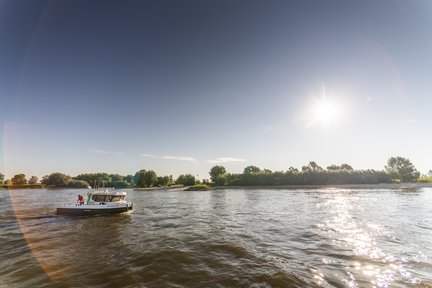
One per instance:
[(94, 209)]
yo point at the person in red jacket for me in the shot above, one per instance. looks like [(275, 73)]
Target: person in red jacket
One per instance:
[(80, 200)]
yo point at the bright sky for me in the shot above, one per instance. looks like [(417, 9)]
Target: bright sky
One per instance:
[(180, 86)]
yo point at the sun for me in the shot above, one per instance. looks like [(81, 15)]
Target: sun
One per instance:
[(325, 111)]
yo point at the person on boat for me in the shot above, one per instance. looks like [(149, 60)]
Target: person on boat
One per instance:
[(80, 200)]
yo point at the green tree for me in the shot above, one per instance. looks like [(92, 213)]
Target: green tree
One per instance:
[(145, 178), (95, 179), (129, 179), (336, 167), (150, 178), (220, 180), (163, 181), (33, 180), (56, 180), (217, 171), (19, 180), (346, 167), (186, 180), (402, 169), (139, 178), (314, 166), (251, 170), (1, 178), (116, 177), (305, 169), (77, 184), (119, 181), (166, 181)]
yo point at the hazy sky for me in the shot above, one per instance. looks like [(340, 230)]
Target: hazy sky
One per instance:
[(179, 86)]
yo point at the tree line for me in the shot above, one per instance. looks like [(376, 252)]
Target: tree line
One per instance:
[(142, 178), (398, 169)]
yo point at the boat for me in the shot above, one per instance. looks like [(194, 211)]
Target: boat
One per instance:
[(100, 201)]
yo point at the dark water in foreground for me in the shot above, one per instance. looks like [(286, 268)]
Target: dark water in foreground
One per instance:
[(228, 238)]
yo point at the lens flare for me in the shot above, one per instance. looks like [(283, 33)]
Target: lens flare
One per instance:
[(325, 111)]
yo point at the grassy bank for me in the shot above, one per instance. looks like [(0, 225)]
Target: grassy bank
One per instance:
[(172, 187), (199, 187), (25, 186)]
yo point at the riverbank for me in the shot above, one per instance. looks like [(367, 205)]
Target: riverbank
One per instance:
[(172, 187), (290, 187), (340, 186), (26, 186), (296, 187)]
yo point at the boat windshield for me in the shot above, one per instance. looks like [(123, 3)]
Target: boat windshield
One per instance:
[(107, 198)]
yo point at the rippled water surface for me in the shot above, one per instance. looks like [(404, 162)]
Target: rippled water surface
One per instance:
[(226, 238)]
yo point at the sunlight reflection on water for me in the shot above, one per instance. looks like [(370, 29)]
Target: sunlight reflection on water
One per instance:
[(360, 237)]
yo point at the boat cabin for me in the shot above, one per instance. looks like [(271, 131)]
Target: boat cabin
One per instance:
[(107, 197)]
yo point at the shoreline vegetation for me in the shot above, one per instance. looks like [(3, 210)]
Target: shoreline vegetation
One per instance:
[(26, 186), (172, 187), (200, 187), (398, 185), (399, 172)]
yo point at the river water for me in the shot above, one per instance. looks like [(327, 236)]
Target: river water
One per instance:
[(327, 237)]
